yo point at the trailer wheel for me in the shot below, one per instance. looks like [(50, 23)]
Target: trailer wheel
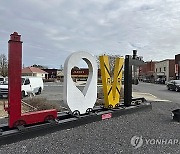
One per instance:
[(49, 117), (117, 105), (76, 113), (19, 123), (110, 106), (89, 110)]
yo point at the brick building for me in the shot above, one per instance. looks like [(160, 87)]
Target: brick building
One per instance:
[(177, 66), (52, 73), (146, 71)]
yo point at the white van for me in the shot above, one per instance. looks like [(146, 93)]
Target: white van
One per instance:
[(32, 85), (29, 85)]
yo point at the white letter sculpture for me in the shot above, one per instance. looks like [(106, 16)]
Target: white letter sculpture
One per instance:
[(73, 97)]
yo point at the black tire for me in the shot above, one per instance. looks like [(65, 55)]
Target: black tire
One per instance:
[(23, 94), (176, 89), (39, 91)]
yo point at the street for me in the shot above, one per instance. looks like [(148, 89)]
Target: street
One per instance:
[(155, 129), (158, 90)]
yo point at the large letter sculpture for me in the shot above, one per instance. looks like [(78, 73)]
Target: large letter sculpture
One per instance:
[(73, 97), (111, 86)]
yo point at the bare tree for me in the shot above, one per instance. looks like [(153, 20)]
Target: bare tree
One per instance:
[(40, 66), (112, 59), (3, 65)]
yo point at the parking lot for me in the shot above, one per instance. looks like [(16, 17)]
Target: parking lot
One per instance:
[(53, 92)]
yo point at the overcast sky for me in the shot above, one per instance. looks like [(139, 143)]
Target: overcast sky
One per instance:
[(52, 29)]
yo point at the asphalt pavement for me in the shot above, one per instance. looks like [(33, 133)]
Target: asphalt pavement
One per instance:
[(158, 90), (142, 132)]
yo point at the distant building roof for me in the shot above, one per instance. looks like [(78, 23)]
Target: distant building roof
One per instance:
[(33, 70), (166, 60), (60, 73)]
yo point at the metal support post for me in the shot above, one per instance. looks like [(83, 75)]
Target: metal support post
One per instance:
[(127, 81)]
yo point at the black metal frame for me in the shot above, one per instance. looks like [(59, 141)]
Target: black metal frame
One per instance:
[(127, 81), (129, 61)]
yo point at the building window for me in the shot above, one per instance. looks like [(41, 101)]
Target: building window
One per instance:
[(156, 69), (164, 68), (160, 69)]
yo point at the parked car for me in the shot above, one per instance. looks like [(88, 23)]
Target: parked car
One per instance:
[(160, 81), (29, 85), (2, 80), (146, 80), (135, 81), (174, 85)]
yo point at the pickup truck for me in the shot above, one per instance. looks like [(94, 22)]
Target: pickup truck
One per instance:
[(2, 79)]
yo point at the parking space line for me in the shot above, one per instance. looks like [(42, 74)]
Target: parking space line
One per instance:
[(149, 96)]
